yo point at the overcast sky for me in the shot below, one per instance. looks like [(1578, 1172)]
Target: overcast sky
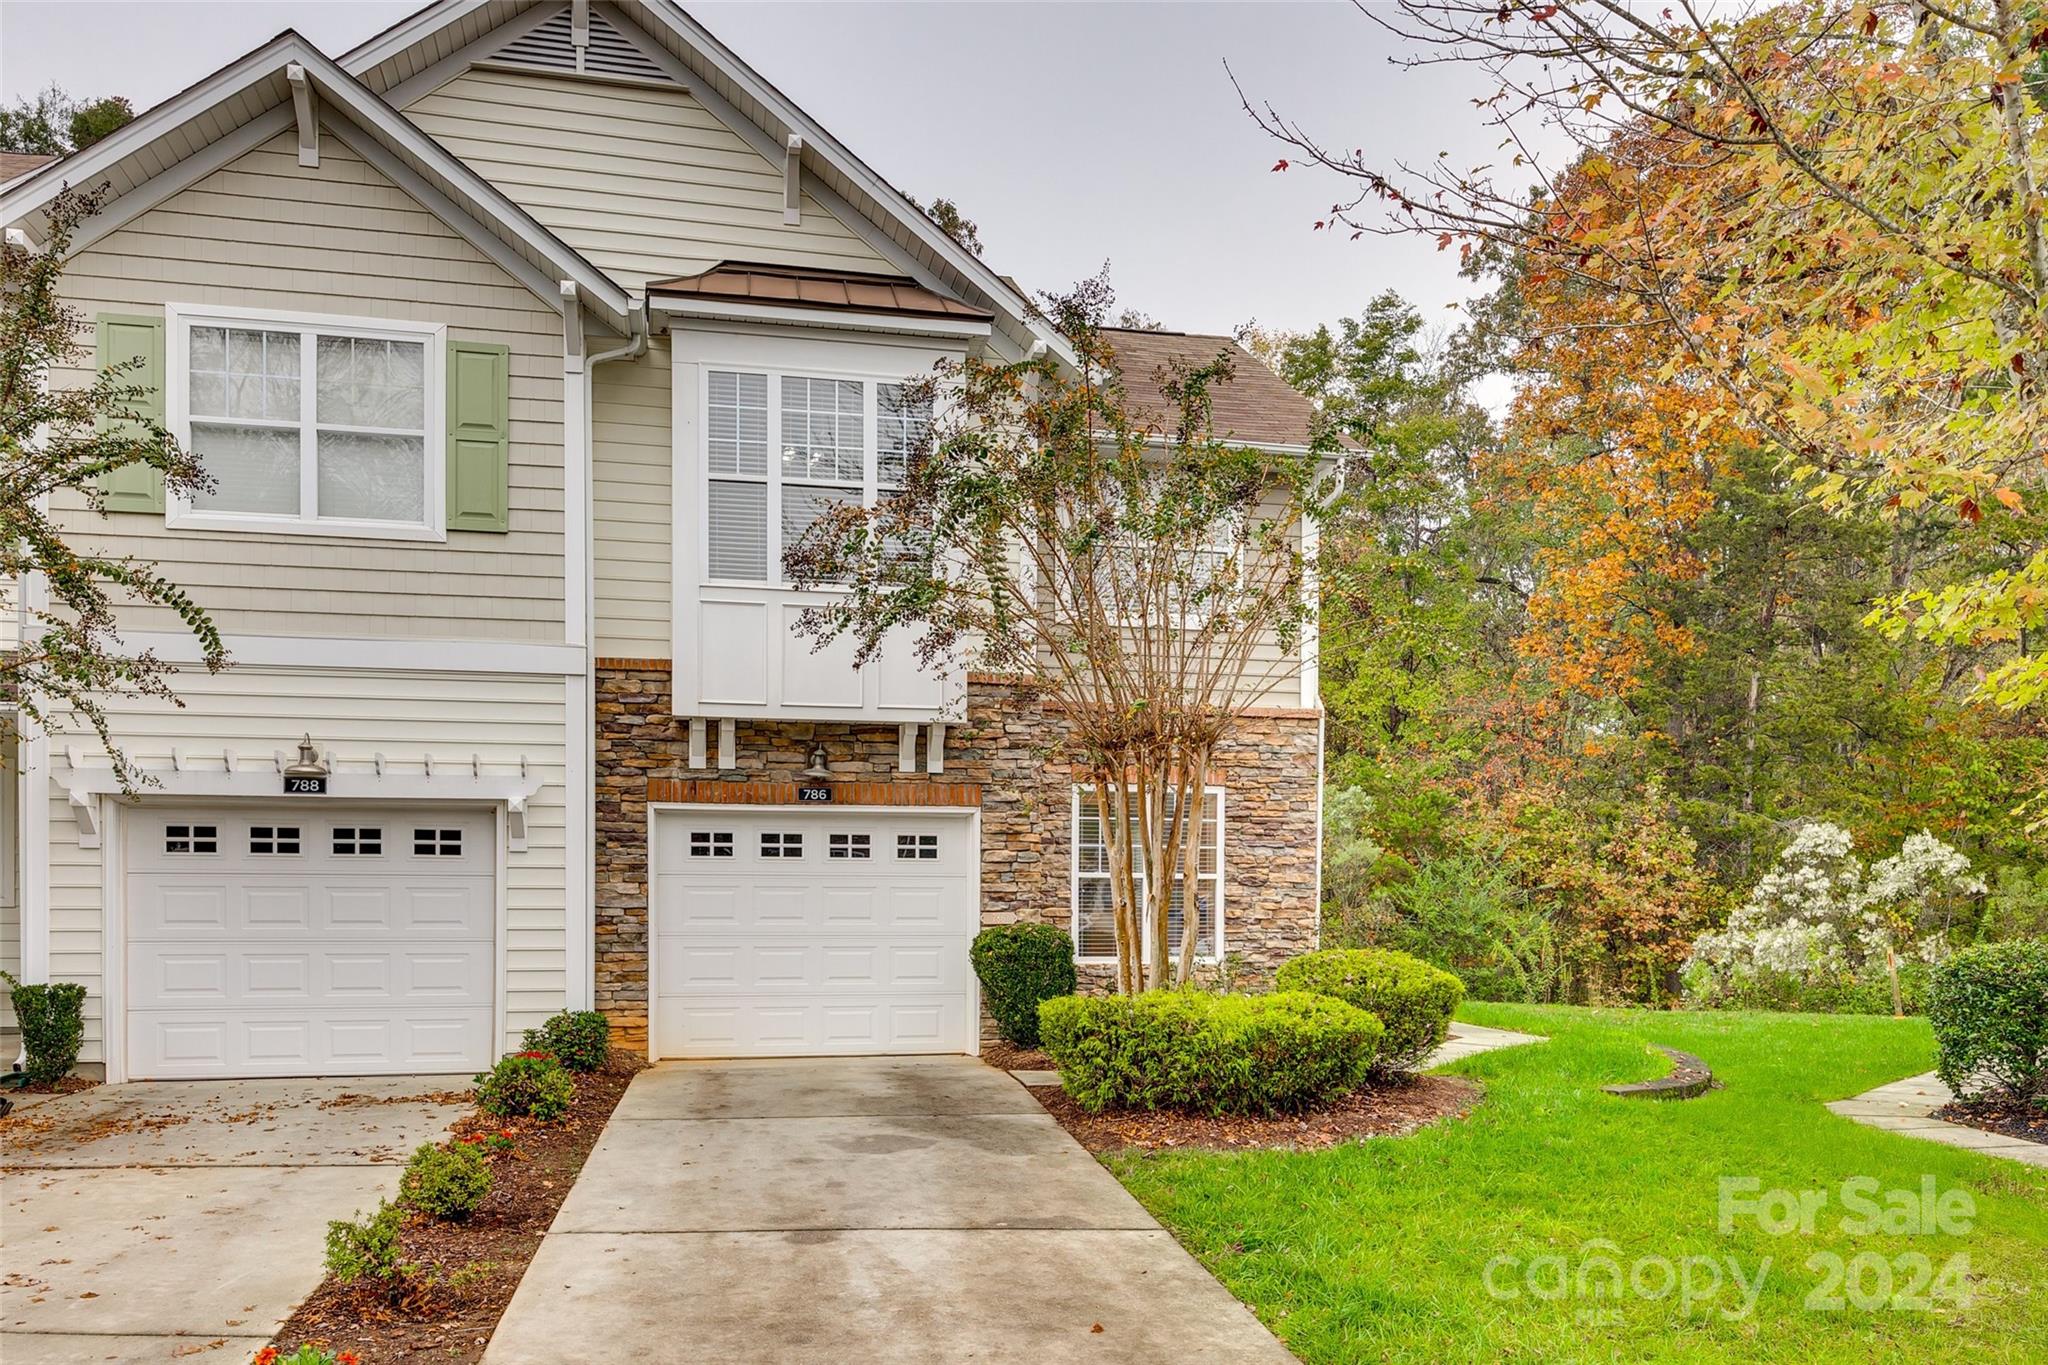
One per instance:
[(1072, 133)]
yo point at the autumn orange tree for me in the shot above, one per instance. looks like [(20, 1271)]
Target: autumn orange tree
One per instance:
[(1829, 211)]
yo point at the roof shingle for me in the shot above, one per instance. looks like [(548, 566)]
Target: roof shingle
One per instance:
[(14, 164), (851, 291), (1254, 405)]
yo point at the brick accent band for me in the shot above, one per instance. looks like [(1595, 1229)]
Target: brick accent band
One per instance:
[(713, 791)]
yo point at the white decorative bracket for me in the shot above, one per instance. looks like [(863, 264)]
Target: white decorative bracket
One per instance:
[(697, 758), (579, 29), (792, 181), (309, 120), (906, 747), (728, 743), (85, 808), (935, 748), (572, 327)]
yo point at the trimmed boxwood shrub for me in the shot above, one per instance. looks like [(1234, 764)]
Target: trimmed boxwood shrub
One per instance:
[(580, 1039), (1989, 1008), (448, 1183), (1021, 965), (526, 1085), (51, 1016), (1210, 1054), (1412, 1000)]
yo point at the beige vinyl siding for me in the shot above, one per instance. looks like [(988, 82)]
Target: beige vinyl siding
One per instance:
[(645, 182), (404, 717), (633, 542), (264, 232)]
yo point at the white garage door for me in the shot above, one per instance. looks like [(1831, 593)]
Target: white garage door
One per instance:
[(804, 933), (308, 939)]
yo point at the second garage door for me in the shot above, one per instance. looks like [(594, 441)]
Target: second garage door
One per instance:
[(806, 933)]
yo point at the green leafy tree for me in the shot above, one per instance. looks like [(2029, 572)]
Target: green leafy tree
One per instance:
[(52, 123), (67, 438), (1131, 566)]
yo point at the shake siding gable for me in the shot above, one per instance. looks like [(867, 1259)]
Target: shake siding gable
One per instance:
[(341, 239), (644, 182)]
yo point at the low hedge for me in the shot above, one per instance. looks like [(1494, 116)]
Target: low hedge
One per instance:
[(1209, 1054), (51, 1016), (1413, 1000), (526, 1085), (1989, 1008), (580, 1039), (447, 1183), (1021, 965)]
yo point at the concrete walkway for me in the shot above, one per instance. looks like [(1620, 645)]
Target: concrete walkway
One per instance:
[(858, 1210), (1469, 1040), (183, 1221), (1908, 1107)]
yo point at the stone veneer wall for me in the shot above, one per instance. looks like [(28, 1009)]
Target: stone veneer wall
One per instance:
[(1007, 757)]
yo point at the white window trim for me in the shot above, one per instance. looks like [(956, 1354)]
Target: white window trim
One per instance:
[(1086, 793), (179, 514), (871, 458)]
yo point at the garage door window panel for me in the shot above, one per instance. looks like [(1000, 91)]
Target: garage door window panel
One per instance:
[(274, 840), (191, 839), (358, 841)]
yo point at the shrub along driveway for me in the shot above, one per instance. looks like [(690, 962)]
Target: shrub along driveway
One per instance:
[(185, 1220), (1499, 1236), (905, 1209)]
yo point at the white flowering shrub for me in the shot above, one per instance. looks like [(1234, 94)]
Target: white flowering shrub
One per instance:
[(1820, 920)]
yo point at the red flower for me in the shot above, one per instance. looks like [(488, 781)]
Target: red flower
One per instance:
[(265, 1356), (535, 1055), (348, 1358)]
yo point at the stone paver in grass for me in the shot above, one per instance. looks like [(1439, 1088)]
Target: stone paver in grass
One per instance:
[(1908, 1107)]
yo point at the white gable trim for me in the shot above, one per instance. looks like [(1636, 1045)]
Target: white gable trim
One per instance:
[(819, 146), (348, 100), (828, 149)]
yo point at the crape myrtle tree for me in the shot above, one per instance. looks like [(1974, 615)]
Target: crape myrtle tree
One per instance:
[(54, 438), (1145, 575), (1827, 212)]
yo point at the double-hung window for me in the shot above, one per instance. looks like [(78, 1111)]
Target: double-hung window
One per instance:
[(782, 450), (310, 425), (1094, 912)]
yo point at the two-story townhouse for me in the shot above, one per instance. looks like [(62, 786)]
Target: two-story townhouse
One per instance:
[(520, 341)]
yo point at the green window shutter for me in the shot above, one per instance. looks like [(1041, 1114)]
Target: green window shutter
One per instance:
[(135, 487), (479, 436)]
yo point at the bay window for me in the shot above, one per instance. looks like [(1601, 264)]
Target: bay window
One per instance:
[(1093, 909), (321, 425), (782, 450)]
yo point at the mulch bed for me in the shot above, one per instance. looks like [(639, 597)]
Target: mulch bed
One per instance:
[(2010, 1117), (1380, 1111), (1010, 1057), (453, 1325)]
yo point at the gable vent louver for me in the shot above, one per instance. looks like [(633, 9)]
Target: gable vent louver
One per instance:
[(551, 47)]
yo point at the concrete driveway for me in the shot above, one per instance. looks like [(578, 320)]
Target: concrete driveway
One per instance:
[(855, 1210), (182, 1221)]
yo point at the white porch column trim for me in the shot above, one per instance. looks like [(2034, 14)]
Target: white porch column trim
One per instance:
[(32, 804), (579, 715)]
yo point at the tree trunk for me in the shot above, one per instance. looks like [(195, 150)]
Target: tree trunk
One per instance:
[(1891, 966), (1194, 805)]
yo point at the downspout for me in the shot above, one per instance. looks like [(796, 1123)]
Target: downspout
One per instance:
[(583, 992)]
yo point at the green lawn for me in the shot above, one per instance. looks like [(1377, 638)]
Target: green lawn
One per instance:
[(1380, 1250)]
